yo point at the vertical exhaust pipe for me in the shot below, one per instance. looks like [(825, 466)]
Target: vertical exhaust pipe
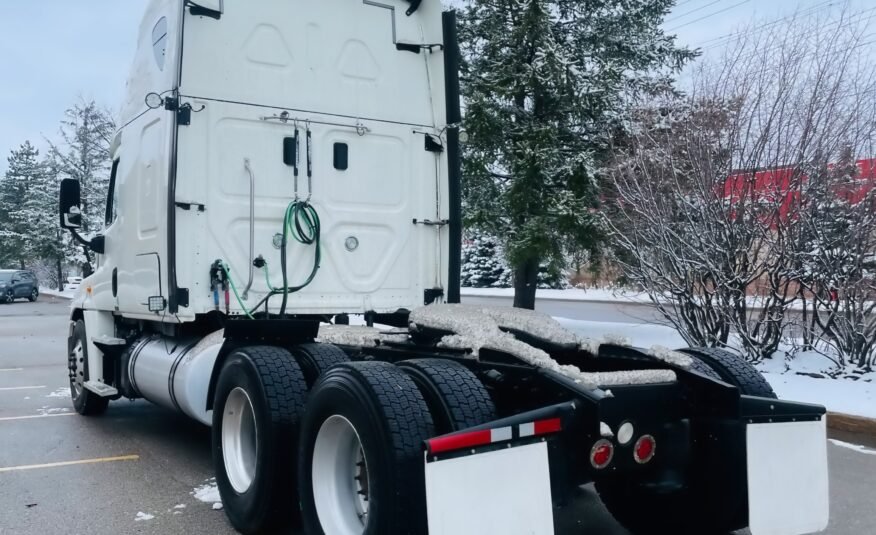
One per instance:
[(454, 155)]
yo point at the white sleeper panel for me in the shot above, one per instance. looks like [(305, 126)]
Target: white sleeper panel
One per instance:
[(787, 478), (505, 492)]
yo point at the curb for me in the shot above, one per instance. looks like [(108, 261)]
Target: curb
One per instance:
[(851, 424)]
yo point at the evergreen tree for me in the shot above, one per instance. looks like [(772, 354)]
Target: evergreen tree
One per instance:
[(87, 132), (84, 155), (16, 221), (483, 263), (48, 243), (543, 82)]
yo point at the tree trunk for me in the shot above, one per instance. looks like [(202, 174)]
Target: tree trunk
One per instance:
[(525, 284), (60, 274)]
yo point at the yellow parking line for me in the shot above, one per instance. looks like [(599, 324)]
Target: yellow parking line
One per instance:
[(71, 463), (35, 416), (9, 388)]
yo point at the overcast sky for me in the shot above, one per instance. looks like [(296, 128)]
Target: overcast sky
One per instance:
[(54, 51)]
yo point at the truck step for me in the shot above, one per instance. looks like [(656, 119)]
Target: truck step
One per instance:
[(101, 389), (109, 341)]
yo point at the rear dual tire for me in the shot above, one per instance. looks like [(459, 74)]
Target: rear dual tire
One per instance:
[(260, 394), (360, 457)]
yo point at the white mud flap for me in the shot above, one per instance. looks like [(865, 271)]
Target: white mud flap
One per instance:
[(505, 492), (787, 478)]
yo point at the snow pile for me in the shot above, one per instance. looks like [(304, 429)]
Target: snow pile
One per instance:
[(45, 411), (635, 377), (355, 335), (208, 493), (68, 293), (477, 328), (143, 516), (62, 392), (670, 357), (531, 322), (860, 449)]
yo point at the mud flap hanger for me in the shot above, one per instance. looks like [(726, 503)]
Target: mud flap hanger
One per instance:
[(527, 427)]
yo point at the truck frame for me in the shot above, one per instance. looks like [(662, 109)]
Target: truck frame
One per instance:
[(323, 139)]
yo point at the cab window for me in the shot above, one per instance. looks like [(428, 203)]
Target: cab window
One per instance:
[(159, 42), (112, 199)]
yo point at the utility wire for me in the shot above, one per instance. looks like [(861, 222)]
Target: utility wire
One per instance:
[(832, 26), (710, 15), (683, 15), (763, 27)]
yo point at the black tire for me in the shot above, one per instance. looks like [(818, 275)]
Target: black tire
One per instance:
[(276, 388), (316, 359), (734, 370), (34, 295), (391, 420), (699, 365), (86, 402), (10, 296), (455, 396)]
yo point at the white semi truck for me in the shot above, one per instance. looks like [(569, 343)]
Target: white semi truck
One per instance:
[(283, 164)]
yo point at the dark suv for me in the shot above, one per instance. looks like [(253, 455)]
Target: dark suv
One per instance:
[(17, 284)]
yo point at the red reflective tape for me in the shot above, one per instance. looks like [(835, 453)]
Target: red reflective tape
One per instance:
[(544, 427), (458, 442)]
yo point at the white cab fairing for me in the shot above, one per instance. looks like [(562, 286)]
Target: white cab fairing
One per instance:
[(333, 67)]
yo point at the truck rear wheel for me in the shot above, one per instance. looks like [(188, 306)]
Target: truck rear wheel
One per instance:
[(86, 402), (315, 359), (360, 457), (455, 396), (734, 370), (260, 394)]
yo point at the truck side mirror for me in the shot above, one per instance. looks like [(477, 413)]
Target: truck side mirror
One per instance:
[(71, 204)]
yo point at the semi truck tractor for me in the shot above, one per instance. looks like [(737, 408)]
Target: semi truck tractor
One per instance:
[(283, 166)]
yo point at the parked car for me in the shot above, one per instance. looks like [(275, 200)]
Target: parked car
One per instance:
[(18, 284)]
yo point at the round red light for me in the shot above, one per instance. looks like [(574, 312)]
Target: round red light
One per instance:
[(601, 454), (644, 450)]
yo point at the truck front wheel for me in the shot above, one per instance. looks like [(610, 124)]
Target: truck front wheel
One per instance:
[(360, 459), (259, 398), (85, 402)]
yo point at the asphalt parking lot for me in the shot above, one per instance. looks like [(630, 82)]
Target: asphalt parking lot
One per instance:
[(142, 469)]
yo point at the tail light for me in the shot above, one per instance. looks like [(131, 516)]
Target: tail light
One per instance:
[(644, 449), (601, 454)]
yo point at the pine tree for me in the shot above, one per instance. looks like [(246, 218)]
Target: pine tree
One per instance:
[(87, 132), (543, 82), (16, 221), (84, 155), (49, 244), (483, 262)]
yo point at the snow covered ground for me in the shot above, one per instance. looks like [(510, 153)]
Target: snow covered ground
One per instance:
[(608, 295), (68, 293), (850, 393)]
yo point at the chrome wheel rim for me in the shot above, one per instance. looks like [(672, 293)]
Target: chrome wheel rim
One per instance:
[(341, 485), (239, 440), (77, 367)]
